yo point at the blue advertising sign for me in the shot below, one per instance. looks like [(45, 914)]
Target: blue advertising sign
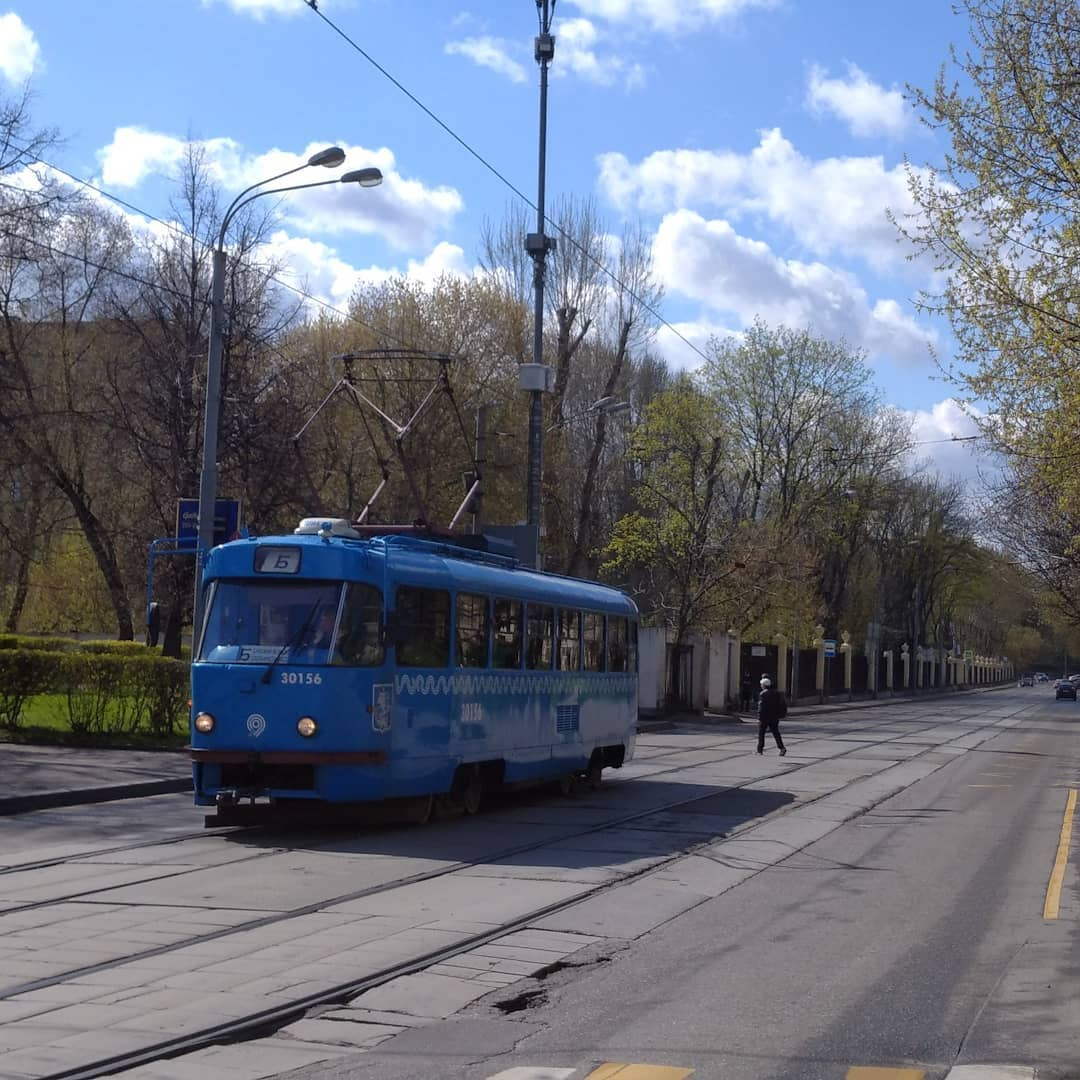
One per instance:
[(226, 521), (830, 646)]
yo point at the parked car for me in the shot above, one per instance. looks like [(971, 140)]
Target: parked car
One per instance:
[(1027, 679), (1065, 689)]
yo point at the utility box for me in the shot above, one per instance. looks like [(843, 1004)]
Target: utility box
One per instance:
[(536, 377)]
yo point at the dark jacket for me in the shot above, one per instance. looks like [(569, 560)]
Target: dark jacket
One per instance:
[(771, 706)]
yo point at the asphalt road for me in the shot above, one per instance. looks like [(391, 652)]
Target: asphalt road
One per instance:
[(910, 941)]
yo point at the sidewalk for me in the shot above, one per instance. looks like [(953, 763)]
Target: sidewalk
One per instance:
[(44, 777), (41, 777), (796, 711)]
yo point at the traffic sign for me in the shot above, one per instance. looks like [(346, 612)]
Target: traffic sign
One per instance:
[(226, 520), (969, 654), (830, 646)]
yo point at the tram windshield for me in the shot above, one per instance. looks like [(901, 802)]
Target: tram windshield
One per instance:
[(293, 622)]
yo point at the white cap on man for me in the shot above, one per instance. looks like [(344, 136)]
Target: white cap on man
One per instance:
[(766, 682)]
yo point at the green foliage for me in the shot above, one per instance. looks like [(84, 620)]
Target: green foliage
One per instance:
[(99, 691), (999, 219), (23, 675)]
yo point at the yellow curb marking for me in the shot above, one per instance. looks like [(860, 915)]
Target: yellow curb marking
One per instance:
[(871, 1072), (612, 1069), (1057, 876)]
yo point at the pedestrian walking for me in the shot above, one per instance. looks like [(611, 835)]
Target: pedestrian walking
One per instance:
[(771, 709), (747, 692)]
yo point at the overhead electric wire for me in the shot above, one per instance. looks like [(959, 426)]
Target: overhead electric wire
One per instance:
[(568, 237)]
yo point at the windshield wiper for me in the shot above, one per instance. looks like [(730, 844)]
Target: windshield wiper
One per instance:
[(294, 640)]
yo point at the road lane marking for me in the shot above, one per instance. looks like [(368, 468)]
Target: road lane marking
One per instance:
[(615, 1070), (1057, 876), (873, 1072)]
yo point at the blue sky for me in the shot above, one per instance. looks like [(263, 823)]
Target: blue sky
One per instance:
[(760, 142)]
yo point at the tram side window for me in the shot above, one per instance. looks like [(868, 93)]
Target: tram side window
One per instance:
[(569, 640), (593, 637), (616, 643), (359, 642), (472, 630), (423, 619), (540, 637), (508, 634), (631, 648)]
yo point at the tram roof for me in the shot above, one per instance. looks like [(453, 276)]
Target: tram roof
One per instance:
[(430, 563)]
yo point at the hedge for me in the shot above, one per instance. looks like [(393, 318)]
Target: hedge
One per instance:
[(103, 689)]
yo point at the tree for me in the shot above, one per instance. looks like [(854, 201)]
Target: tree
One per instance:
[(679, 549), (998, 220)]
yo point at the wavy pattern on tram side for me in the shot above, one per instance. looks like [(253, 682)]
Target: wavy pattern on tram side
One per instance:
[(516, 683)]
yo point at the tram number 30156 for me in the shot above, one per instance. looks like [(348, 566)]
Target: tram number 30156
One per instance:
[(309, 678), (472, 712)]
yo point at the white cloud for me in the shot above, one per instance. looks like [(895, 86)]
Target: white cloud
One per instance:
[(708, 261), (259, 9), (489, 52), (867, 108), (943, 431), (675, 350), (318, 269), (831, 205), (403, 211), (20, 53), (670, 16), (576, 52)]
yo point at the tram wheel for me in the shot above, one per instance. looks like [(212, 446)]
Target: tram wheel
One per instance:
[(425, 809), (472, 792), (568, 785), (594, 775)]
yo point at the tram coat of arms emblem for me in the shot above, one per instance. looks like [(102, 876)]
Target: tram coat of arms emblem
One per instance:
[(382, 702)]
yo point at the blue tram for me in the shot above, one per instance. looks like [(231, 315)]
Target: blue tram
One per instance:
[(335, 667)]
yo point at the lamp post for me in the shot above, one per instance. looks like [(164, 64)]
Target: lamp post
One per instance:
[(329, 158), (537, 245)]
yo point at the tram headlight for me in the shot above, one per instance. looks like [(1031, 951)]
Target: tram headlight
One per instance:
[(204, 723), (306, 726)]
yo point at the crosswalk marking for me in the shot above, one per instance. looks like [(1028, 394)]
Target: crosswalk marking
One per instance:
[(533, 1072), (614, 1070), (873, 1072), (991, 1072)]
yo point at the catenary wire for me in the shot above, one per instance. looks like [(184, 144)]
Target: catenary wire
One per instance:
[(580, 248), (178, 230)]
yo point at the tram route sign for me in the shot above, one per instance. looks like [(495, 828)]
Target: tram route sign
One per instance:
[(226, 521), (830, 646)]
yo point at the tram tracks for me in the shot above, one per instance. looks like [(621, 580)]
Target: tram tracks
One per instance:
[(269, 1018), (373, 890)]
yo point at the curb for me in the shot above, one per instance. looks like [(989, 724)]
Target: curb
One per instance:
[(50, 800)]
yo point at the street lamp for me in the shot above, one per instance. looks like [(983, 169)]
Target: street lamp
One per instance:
[(329, 158)]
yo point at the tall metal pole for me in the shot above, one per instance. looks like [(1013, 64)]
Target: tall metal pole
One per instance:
[(537, 245), (208, 480)]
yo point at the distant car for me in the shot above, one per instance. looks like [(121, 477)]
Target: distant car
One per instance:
[(1041, 676), (1027, 680), (1065, 689)]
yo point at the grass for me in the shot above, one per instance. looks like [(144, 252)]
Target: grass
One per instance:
[(44, 721)]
